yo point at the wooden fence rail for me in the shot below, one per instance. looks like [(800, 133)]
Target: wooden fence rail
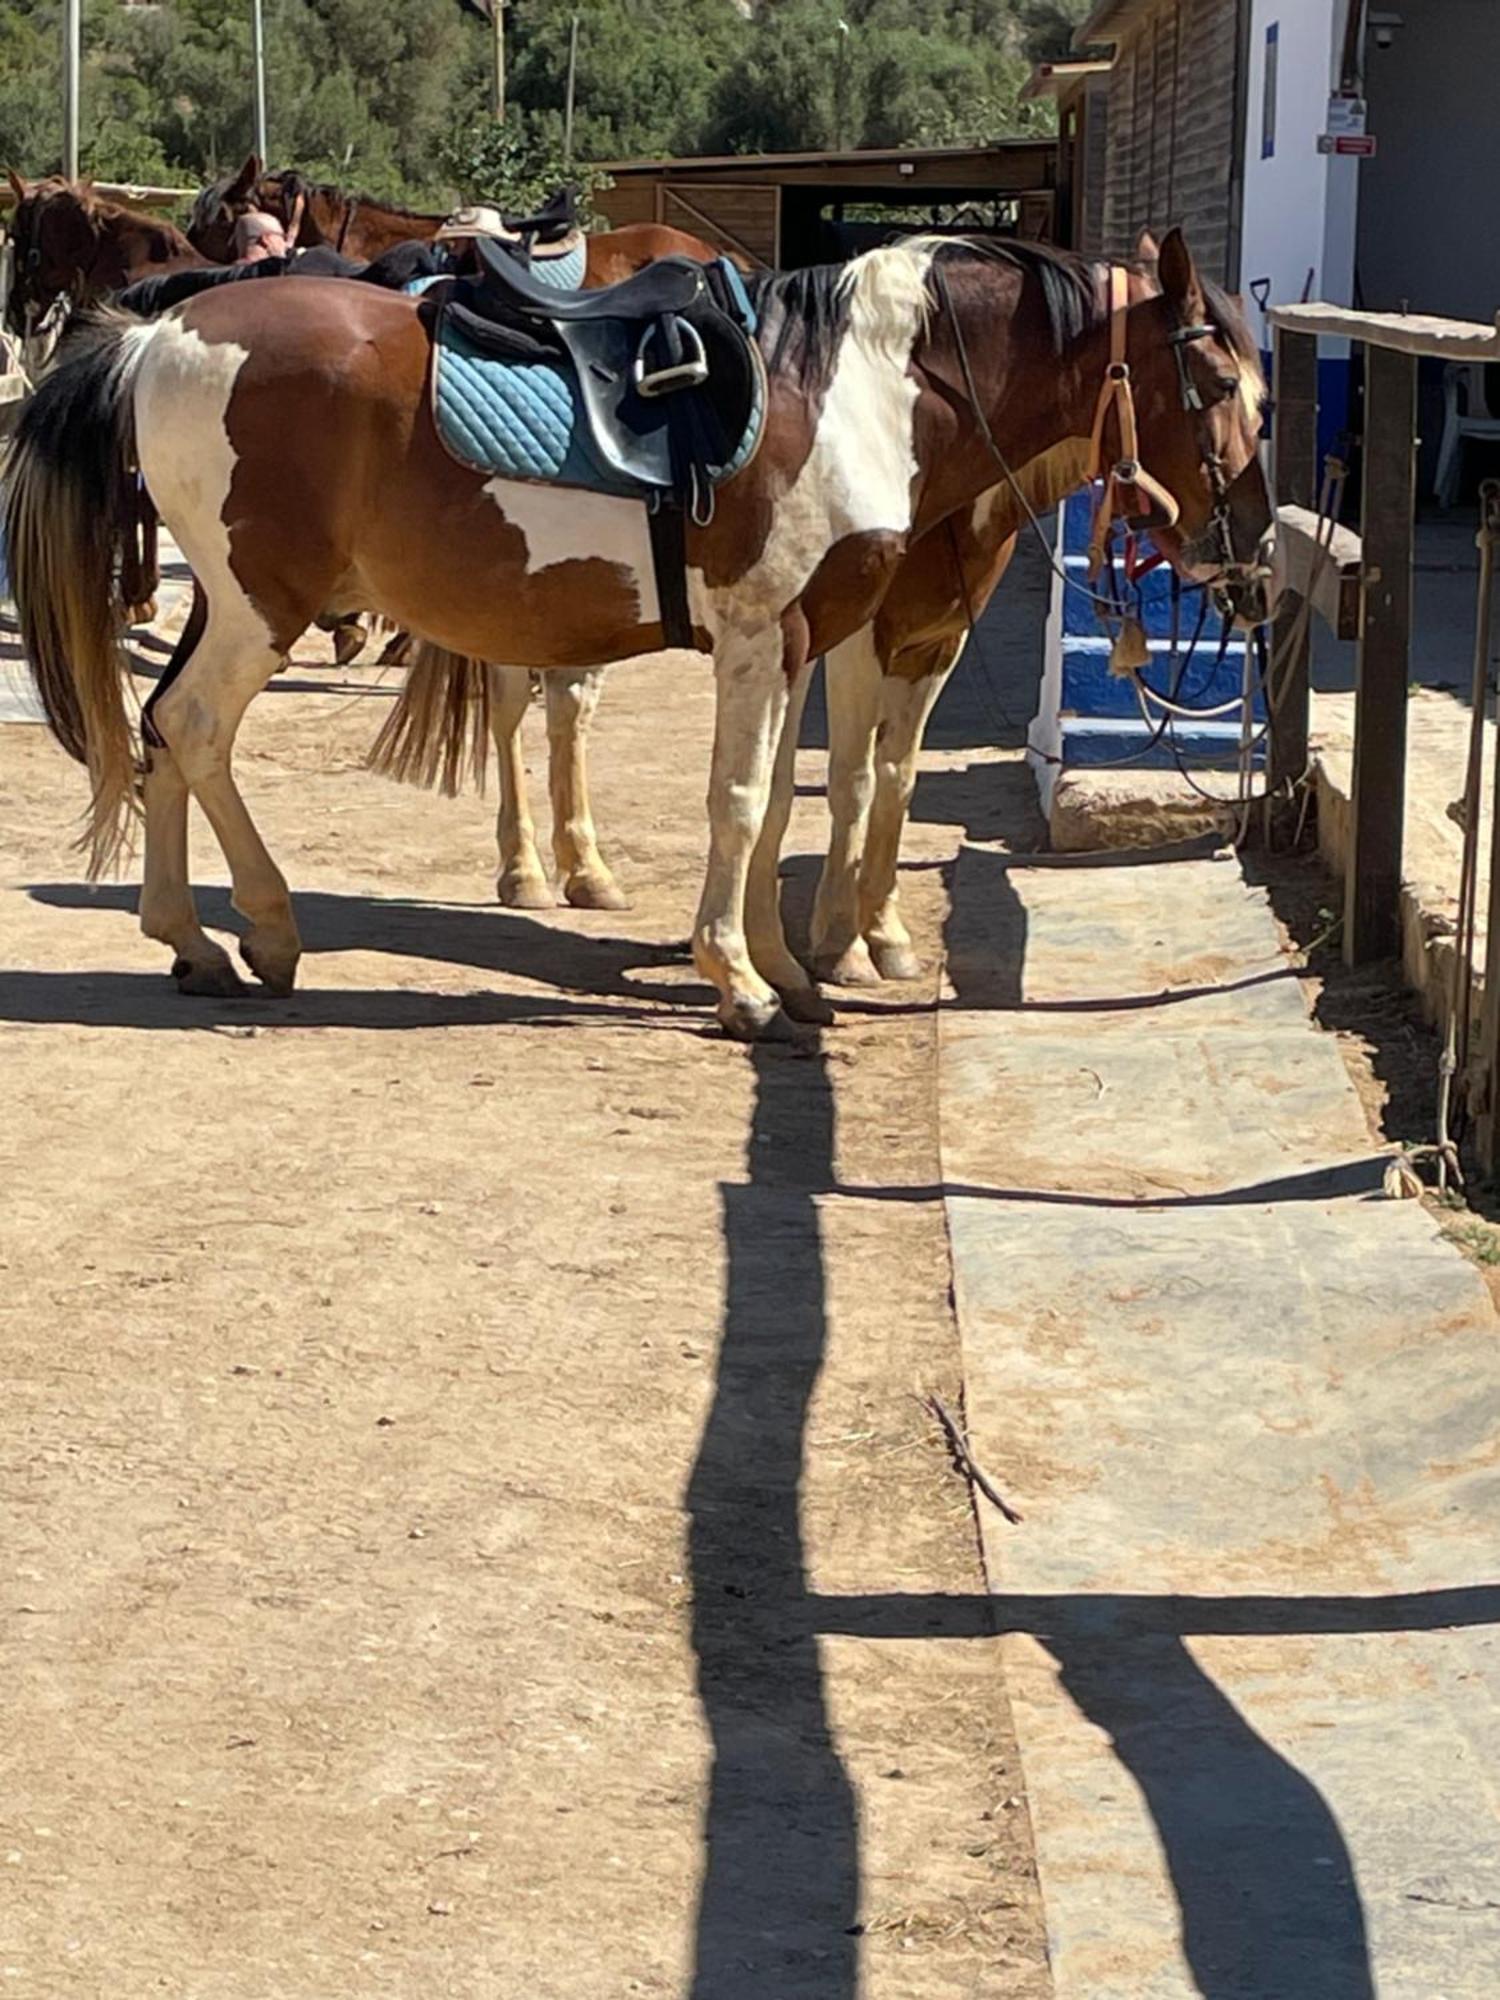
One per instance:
[(1382, 561)]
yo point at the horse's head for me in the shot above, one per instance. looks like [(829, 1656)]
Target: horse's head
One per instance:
[(55, 234), (216, 211), (1194, 378)]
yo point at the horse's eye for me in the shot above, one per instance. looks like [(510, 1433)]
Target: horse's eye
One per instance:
[(1226, 386)]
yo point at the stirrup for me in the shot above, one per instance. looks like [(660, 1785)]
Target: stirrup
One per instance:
[(689, 374)]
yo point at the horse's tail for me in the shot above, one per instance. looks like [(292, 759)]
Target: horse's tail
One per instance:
[(73, 526), (439, 731)]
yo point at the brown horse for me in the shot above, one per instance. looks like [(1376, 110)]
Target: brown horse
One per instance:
[(896, 386), (359, 227), (352, 224), (71, 244)]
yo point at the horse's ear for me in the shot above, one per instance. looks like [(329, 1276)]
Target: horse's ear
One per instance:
[(17, 185), (1147, 249), (1179, 276), (244, 181)]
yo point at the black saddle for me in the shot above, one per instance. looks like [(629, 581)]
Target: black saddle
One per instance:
[(669, 380), (666, 367)]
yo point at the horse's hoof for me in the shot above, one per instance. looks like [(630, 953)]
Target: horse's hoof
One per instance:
[(756, 1021), (896, 961), (348, 644), (807, 1005), (525, 892), (851, 967), (595, 892), (274, 966), (217, 980)]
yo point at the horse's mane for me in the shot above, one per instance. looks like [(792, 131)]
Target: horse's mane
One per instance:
[(1076, 294), (802, 315)]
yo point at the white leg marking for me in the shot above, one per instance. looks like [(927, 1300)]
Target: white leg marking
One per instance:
[(752, 700), (769, 951), (182, 395), (853, 679), (572, 696), (522, 882), (905, 707)]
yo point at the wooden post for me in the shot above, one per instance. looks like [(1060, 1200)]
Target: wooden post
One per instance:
[(1485, 1062), (1372, 891), (1295, 384)]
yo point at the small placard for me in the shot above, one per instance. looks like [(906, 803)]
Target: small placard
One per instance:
[(1360, 145)]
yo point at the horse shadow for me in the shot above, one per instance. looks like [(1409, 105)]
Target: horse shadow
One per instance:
[(583, 975)]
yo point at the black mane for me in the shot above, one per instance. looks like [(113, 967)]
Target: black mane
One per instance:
[(1075, 290), (802, 317)]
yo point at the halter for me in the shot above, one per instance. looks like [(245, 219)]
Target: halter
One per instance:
[(1127, 481)]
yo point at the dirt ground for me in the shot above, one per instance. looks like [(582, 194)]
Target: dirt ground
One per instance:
[(469, 1526)]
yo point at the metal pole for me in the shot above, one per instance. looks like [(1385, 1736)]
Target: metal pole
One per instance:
[(497, 12), (572, 79), (258, 52), (72, 36)]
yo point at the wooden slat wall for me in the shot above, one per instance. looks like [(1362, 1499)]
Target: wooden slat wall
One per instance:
[(745, 218), (1170, 141), (627, 202)]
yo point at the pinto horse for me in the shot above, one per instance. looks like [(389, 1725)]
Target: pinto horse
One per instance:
[(288, 444), (71, 244)]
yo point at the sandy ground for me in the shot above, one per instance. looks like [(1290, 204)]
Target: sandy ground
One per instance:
[(469, 1528)]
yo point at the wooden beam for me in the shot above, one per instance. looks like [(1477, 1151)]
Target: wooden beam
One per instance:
[(1295, 380), (1372, 889), (1322, 563), (1399, 333)]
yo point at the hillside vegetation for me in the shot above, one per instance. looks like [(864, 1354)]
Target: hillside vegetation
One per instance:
[(391, 96)]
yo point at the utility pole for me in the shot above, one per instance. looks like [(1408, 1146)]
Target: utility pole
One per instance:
[(572, 80), (497, 14), (258, 55), (72, 37)]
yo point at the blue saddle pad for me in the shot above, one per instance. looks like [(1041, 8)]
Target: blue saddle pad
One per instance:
[(525, 419)]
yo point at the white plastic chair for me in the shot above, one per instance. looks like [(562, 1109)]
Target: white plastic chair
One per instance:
[(1466, 414)]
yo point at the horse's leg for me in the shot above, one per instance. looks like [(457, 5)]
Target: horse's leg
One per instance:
[(198, 716), (167, 911), (906, 702), (769, 951), (572, 696), (522, 883), (852, 683), (751, 700)]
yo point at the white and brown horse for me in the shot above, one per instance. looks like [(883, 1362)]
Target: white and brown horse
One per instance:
[(896, 383)]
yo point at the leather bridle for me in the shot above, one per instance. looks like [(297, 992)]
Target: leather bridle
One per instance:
[(1126, 484)]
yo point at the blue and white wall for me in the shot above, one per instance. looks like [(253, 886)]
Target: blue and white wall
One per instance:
[(1089, 718), (1300, 206)]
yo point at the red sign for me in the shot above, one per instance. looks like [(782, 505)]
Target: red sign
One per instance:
[(1360, 144)]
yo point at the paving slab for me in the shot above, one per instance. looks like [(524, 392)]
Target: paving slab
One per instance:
[(1250, 1410)]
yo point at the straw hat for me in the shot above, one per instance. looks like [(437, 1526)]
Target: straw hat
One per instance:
[(479, 220)]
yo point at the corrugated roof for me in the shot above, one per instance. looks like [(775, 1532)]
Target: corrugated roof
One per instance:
[(1109, 20), (862, 156)]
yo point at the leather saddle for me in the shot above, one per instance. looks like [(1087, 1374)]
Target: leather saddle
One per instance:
[(669, 380)]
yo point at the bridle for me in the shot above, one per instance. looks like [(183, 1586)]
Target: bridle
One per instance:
[(1126, 483)]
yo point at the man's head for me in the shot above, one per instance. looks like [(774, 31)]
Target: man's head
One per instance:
[(258, 236)]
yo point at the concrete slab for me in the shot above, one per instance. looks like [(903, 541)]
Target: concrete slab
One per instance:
[(1251, 1413)]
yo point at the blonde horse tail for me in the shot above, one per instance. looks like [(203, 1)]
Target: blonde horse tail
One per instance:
[(73, 529), (438, 734)]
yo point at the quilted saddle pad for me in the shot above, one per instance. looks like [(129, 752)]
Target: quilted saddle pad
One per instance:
[(517, 419)]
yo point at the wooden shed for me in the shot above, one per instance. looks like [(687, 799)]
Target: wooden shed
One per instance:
[(780, 208), (1174, 143)]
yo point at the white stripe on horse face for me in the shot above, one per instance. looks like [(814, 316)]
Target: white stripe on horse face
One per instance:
[(182, 394), (565, 524)]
